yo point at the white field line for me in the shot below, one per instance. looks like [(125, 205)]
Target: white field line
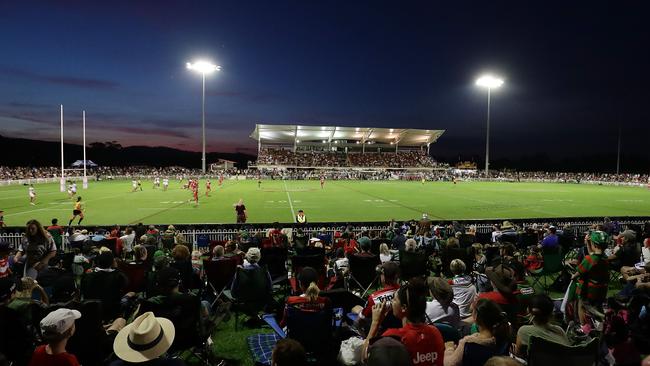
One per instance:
[(293, 213)]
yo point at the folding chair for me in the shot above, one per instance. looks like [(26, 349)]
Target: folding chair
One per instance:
[(203, 241), (477, 354), (553, 264), (299, 262), (314, 331), (250, 292), (363, 273), (219, 275), (412, 265), (543, 353), (137, 275), (275, 259), (449, 333)]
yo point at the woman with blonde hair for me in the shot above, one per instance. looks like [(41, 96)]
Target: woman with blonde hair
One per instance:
[(384, 253), (310, 299)]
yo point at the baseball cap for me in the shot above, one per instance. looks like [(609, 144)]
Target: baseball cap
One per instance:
[(58, 321), (7, 287)]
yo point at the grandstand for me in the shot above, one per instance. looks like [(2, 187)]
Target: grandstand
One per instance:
[(336, 147)]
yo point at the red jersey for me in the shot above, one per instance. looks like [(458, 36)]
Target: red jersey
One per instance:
[(208, 185), (304, 304), (424, 343), (41, 357), (498, 297), (385, 294), (350, 246)]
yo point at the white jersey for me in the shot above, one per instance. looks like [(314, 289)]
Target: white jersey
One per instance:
[(165, 182), (32, 192), (73, 188), (134, 183)]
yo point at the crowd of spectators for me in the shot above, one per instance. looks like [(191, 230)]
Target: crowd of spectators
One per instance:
[(564, 177), (402, 159)]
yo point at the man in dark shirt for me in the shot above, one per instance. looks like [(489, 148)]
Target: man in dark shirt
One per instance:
[(57, 281), (399, 240), (105, 283)]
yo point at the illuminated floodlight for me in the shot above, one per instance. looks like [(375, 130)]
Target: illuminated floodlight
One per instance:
[(489, 81), (203, 67), (297, 141), (324, 141)]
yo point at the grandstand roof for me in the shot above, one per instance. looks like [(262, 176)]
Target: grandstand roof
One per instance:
[(291, 133)]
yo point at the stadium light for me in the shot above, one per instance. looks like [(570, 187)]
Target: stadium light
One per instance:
[(489, 82), (204, 68)]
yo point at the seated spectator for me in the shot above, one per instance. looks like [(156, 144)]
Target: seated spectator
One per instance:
[(309, 300), (534, 263), (57, 281), (480, 260), (503, 283), (5, 250), (324, 237), (288, 352), (341, 263), (105, 283), (410, 245), (463, 288), (16, 342), (508, 259), (253, 256), (182, 261), (387, 351), (300, 240), (424, 342), (384, 253), (541, 308), (350, 246), (29, 291), (551, 240), (389, 277), (57, 328), (145, 342), (626, 253), (399, 240), (441, 309), (626, 271), (493, 332), (168, 281), (140, 254), (231, 249), (218, 253), (364, 244)]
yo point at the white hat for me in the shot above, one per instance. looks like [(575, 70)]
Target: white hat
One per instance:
[(314, 239), (145, 339), (58, 321)]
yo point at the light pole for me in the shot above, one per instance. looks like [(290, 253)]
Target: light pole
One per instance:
[(204, 68), (490, 82)]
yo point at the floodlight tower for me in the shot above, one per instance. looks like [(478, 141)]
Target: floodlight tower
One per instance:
[(204, 68), (490, 82)]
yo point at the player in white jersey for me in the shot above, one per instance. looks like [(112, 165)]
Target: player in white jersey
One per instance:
[(165, 184), (32, 195), (134, 184), (73, 189), (156, 182)]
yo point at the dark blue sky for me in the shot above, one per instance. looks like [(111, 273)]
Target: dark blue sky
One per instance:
[(573, 71)]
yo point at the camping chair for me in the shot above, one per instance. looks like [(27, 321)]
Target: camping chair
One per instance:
[(363, 273), (412, 265), (553, 264), (314, 330), (275, 259), (543, 352), (449, 333), (219, 275), (202, 241), (185, 312), (250, 293), (137, 274), (477, 354)]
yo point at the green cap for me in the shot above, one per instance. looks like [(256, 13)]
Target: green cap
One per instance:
[(599, 238)]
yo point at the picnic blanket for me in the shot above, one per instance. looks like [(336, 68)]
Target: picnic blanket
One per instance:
[(261, 347)]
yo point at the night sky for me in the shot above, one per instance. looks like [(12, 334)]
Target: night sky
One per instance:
[(574, 71)]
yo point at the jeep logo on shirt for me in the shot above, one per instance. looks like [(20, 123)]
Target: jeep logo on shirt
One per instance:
[(429, 357)]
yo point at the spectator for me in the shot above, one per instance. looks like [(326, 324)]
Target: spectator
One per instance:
[(541, 308), (182, 261), (410, 245), (128, 240), (140, 254), (592, 273), (288, 352), (218, 253), (36, 249), (463, 288), (145, 342), (399, 240), (534, 263), (424, 342), (638, 268), (310, 299), (16, 342), (231, 249), (105, 283), (493, 331), (389, 277), (30, 290), (442, 309), (503, 283), (508, 259), (57, 327), (551, 240), (480, 260), (627, 253), (253, 256), (5, 269), (324, 237), (364, 244), (388, 351), (384, 253)]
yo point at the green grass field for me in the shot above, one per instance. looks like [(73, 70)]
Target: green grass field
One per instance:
[(112, 202)]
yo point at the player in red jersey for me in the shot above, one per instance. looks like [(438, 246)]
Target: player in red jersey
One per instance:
[(322, 182), (220, 180), (208, 188)]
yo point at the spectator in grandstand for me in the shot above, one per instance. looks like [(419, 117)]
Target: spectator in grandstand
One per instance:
[(168, 281), (145, 342), (502, 279), (299, 240), (424, 342), (140, 230), (364, 245), (324, 237), (36, 249), (105, 283), (626, 253), (389, 278), (534, 261), (480, 260), (231, 249), (384, 253), (288, 352), (253, 256), (57, 328), (551, 240), (442, 309), (310, 299), (493, 332), (463, 288), (140, 254), (541, 308), (410, 245), (350, 245), (508, 259), (340, 263), (592, 273), (57, 280), (399, 240), (127, 241)]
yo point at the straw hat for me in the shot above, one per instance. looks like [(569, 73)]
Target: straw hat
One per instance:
[(145, 339)]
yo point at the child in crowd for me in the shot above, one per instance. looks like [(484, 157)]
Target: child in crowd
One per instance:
[(5, 269), (58, 326), (534, 262)]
